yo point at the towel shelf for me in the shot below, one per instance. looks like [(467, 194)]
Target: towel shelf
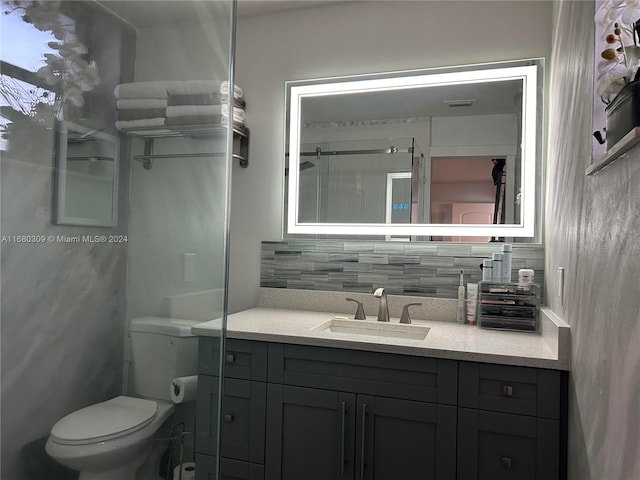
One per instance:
[(149, 135)]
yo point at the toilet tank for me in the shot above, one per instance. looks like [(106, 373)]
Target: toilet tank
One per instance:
[(162, 349)]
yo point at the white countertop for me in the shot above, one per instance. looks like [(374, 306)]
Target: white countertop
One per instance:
[(547, 349)]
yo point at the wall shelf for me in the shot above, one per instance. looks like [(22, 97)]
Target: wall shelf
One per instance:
[(149, 135), (625, 144)]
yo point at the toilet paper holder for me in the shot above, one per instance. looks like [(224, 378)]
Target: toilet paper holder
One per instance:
[(178, 432)]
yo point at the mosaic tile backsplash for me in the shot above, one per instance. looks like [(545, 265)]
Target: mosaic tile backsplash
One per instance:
[(402, 268)]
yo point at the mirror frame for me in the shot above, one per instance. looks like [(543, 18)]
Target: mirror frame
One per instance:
[(61, 217), (529, 71)]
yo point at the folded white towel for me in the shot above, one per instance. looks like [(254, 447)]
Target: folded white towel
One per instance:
[(151, 89), (189, 110), (202, 121), (140, 103), (237, 91), (191, 121), (194, 87), (238, 113), (153, 132), (140, 124), (143, 113)]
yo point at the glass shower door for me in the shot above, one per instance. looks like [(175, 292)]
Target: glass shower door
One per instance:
[(179, 197), (114, 205)]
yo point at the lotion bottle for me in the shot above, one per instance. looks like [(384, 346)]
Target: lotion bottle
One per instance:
[(460, 318)]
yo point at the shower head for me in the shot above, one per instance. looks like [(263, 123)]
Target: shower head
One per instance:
[(306, 165)]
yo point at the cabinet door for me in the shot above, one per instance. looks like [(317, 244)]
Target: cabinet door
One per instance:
[(243, 412), (500, 446), (404, 439), (310, 434)]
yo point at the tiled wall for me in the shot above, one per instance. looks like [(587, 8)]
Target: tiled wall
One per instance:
[(402, 268)]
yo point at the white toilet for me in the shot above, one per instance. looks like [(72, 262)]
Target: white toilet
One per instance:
[(112, 439)]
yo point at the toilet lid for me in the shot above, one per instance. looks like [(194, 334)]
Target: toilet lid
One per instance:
[(103, 421)]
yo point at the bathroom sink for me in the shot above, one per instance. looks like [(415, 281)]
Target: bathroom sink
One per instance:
[(373, 328)]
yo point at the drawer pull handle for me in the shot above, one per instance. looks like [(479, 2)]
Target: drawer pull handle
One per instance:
[(362, 445), (507, 390), (228, 417), (230, 358), (506, 462), (342, 444)]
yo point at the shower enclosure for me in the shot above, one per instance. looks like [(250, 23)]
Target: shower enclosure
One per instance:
[(361, 181), (91, 236)]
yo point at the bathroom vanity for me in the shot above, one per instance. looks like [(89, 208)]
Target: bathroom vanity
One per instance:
[(301, 401)]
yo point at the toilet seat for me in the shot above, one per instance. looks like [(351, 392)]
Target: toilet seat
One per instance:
[(104, 421)]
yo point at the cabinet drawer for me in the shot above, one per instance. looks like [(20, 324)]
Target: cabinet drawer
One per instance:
[(243, 419), (382, 374), (405, 439), (231, 469), (509, 389), (243, 358), (501, 446)]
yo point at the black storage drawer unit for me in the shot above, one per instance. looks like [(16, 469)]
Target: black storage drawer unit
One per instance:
[(508, 306), (383, 374)]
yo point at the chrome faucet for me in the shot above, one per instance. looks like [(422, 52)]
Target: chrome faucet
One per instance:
[(383, 311)]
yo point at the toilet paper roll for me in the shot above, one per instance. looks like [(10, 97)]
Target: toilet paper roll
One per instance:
[(184, 389), (188, 471)]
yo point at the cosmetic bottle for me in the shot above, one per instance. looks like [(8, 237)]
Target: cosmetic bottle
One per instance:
[(487, 270), (506, 263), (525, 279), (472, 303), (460, 318), (525, 276), (496, 271)]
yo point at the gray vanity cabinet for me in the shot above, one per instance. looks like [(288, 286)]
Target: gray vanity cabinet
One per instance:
[(295, 412)]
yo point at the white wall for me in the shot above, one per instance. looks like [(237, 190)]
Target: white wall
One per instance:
[(342, 39), (486, 131)]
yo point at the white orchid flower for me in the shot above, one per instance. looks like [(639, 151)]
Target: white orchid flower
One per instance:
[(630, 12)]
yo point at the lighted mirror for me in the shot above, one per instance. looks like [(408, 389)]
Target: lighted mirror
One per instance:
[(441, 154), (86, 177)]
